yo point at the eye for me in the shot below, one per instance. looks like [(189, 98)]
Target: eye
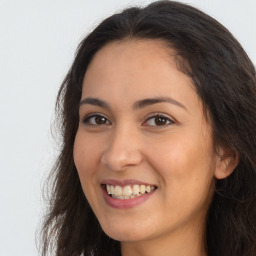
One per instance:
[(96, 119), (158, 120)]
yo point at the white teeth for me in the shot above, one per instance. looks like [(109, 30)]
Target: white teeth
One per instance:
[(142, 189), (148, 189), (108, 189), (128, 192), (118, 191), (136, 189), (112, 189)]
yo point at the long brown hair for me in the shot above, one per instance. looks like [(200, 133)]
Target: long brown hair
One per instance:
[(225, 80)]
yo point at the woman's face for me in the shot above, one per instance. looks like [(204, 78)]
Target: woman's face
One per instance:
[(143, 136)]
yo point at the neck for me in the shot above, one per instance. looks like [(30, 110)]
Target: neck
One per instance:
[(183, 242)]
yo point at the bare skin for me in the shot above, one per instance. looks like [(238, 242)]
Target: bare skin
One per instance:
[(141, 120)]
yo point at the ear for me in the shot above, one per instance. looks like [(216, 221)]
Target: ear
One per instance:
[(227, 161)]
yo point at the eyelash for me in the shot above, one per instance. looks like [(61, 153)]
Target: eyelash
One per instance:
[(87, 120), (162, 117)]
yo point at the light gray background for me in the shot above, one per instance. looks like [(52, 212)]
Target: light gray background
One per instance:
[(37, 43)]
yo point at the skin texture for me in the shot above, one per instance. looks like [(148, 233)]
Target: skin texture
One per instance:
[(176, 156)]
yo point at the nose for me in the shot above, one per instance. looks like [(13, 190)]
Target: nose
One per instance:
[(123, 150)]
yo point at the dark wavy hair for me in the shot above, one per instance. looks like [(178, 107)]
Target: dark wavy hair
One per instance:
[(225, 80)]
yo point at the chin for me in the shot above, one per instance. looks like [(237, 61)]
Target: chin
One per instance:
[(124, 233)]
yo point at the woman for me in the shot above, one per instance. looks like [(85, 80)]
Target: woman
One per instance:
[(158, 121)]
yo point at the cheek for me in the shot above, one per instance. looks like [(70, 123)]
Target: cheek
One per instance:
[(86, 164), (85, 151), (186, 165), (175, 156), (84, 158)]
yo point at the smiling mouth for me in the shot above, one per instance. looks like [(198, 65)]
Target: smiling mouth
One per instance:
[(128, 192)]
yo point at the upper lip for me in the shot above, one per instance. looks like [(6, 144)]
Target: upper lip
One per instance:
[(126, 182)]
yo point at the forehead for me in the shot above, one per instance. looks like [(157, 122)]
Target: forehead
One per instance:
[(123, 72), (139, 62), (136, 46), (133, 50)]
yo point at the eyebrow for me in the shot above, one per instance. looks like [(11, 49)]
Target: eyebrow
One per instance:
[(137, 105), (94, 102), (147, 102)]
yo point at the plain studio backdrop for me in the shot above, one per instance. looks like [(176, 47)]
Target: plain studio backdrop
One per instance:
[(38, 40)]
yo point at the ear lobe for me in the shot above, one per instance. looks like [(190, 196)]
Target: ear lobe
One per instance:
[(226, 163)]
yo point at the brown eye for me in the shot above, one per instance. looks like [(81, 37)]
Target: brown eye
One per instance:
[(100, 120), (96, 120), (158, 120)]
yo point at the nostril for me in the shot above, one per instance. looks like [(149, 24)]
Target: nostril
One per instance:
[(120, 160)]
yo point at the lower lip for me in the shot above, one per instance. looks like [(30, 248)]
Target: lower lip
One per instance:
[(125, 203)]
